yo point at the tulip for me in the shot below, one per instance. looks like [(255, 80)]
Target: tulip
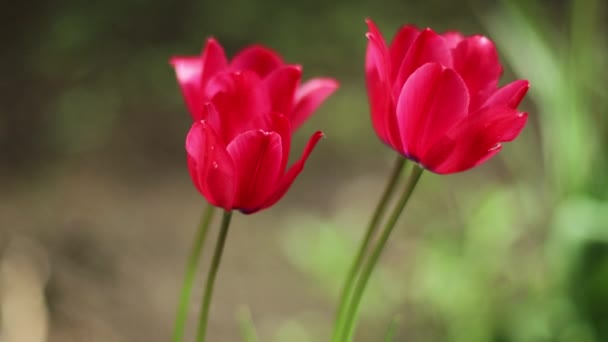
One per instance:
[(435, 98), (244, 113), (296, 101), (238, 152)]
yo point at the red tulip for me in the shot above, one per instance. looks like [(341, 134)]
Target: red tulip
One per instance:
[(435, 98), (296, 101), (238, 152)]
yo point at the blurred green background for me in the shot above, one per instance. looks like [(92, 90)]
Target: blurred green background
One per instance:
[(97, 211)]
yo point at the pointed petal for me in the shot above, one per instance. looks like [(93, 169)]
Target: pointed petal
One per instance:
[(380, 53), (291, 174), (400, 45), (502, 124), (429, 47), (282, 84), (509, 95), (475, 140), (214, 60), (241, 101), (432, 101), (379, 88), (258, 59), (211, 168), (257, 157), (309, 96), (193, 73), (476, 60)]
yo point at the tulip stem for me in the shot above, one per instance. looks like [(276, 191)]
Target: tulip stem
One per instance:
[(191, 268), (351, 315), (215, 264), (357, 262)]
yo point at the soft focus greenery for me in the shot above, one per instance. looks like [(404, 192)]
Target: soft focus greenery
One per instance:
[(530, 259), (516, 250)]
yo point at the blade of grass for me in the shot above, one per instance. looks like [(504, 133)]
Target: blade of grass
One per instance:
[(247, 327)]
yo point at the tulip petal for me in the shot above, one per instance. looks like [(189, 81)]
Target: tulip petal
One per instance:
[(380, 55), (452, 38), (429, 47), (188, 71), (291, 174), (308, 97), (379, 88), (210, 115), (432, 101), (257, 156), (214, 60), (282, 84), (509, 95), (279, 123), (210, 165), (507, 128), (400, 45), (476, 60), (193, 73), (258, 59), (241, 100), (475, 140)]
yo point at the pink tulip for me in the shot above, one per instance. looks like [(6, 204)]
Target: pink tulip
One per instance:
[(238, 152), (435, 98)]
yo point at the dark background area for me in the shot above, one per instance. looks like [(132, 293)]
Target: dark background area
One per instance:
[(97, 211)]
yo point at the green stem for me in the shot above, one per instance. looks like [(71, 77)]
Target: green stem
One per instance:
[(215, 264), (351, 316), (370, 232), (191, 268)]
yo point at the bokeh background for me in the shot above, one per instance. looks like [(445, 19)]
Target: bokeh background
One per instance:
[(97, 211)]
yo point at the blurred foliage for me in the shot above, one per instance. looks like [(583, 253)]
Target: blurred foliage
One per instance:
[(513, 251), (531, 261)]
